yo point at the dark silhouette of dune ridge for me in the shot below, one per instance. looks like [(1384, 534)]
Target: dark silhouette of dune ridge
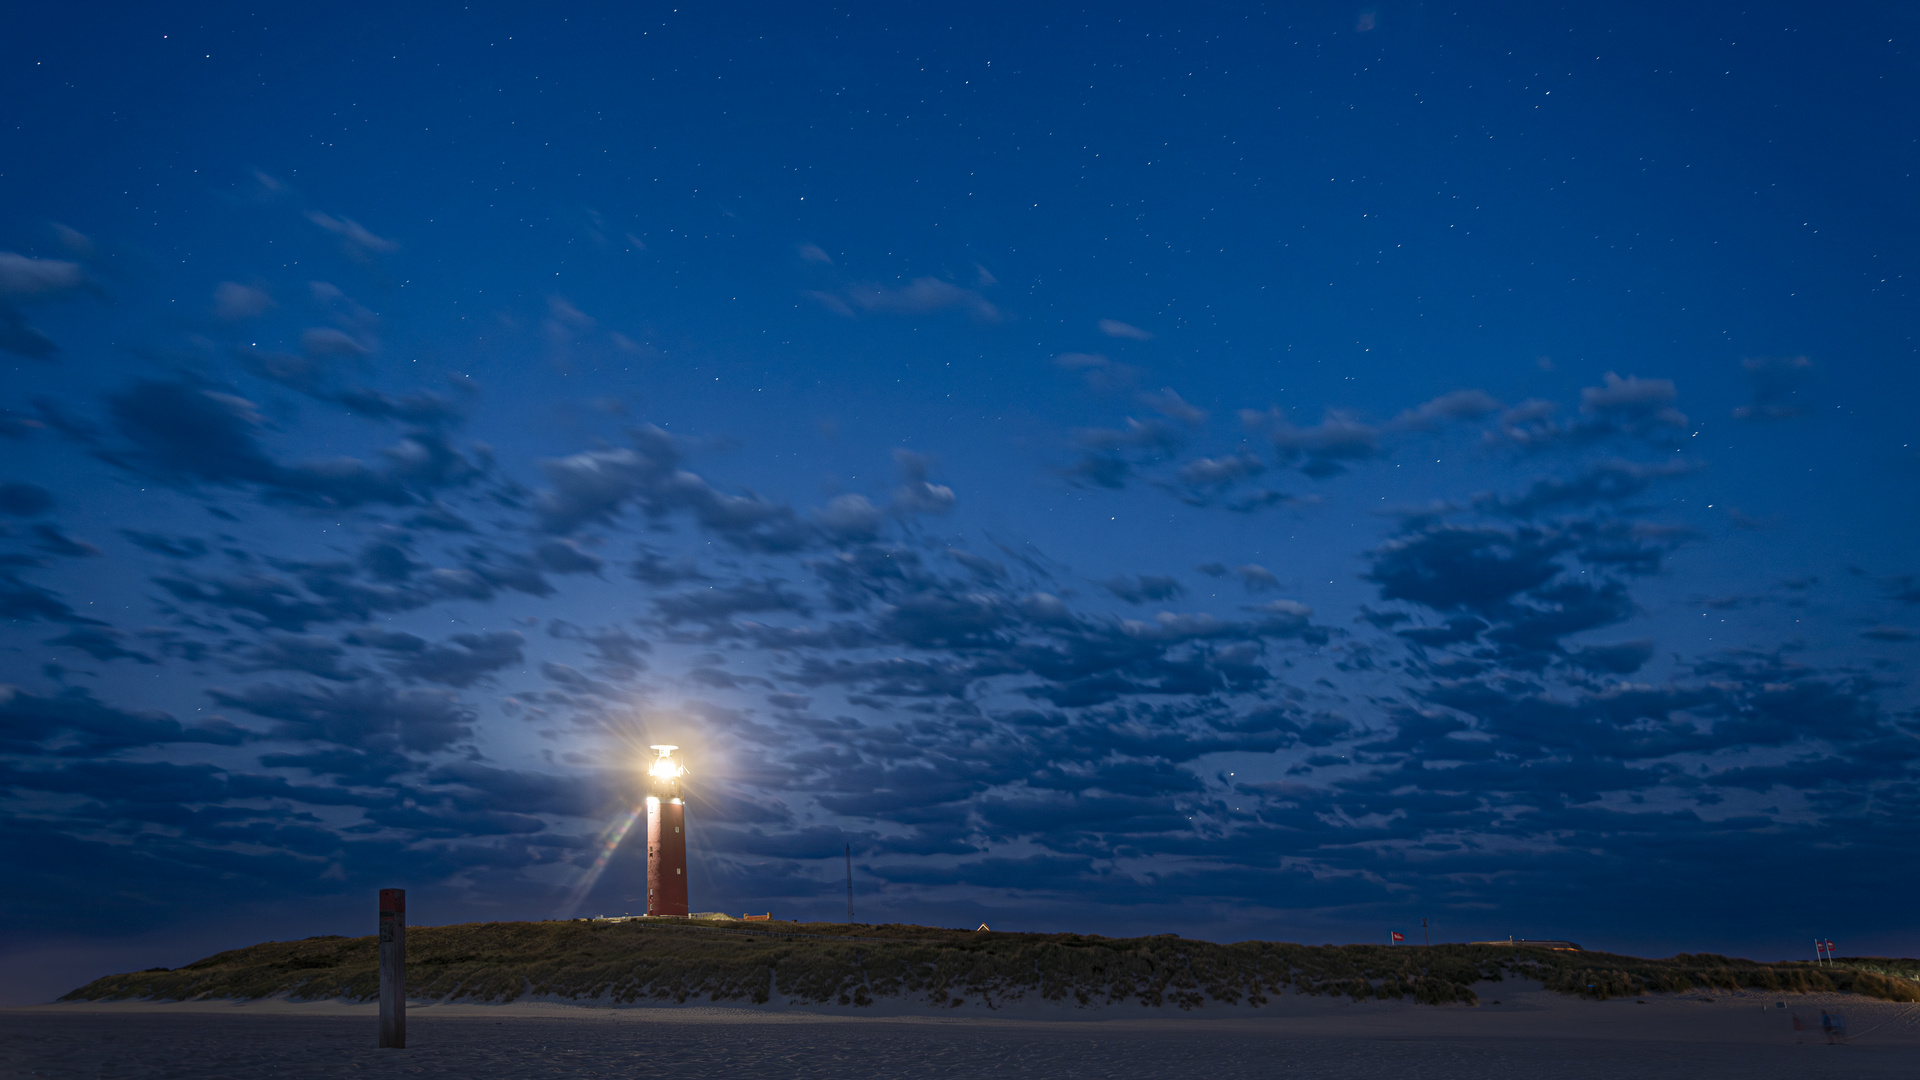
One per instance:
[(840, 964)]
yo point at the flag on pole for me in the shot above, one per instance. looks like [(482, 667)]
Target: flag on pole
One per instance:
[(1398, 937)]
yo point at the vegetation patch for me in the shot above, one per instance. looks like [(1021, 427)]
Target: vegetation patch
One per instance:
[(829, 963)]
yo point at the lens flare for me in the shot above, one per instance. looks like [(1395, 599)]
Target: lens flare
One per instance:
[(609, 842)]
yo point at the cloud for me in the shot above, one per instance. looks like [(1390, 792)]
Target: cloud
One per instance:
[(720, 603), (617, 651), (194, 430), (479, 786), (1151, 436), (573, 681), (1079, 361), (1619, 658), (919, 296), (1631, 394), (24, 500), (1517, 591), (1257, 578), (915, 494), (850, 517), (562, 556), (1173, 407), (1099, 373), (100, 642), (1116, 453), (1144, 588), (1118, 329), (75, 241), (74, 723), (975, 634), (191, 432), (1449, 567), (596, 486), (314, 374), (384, 580), (1455, 631), (367, 714), (1100, 470), (830, 301), (1220, 472), (261, 601), (563, 312), (51, 540), (233, 302), (1322, 449), (20, 599), (461, 660), (982, 568), (1636, 406), (1632, 407), (1454, 405), (1283, 618), (173, 547), (17, 336), (310, 653), (356, 237), (18, 426), (814, 253), (324, 341), (1602, 482), (655, 569), (861, 677), (23, 278), (1530, 422)]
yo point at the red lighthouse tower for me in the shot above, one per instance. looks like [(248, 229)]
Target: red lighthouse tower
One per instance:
[(666, 837)]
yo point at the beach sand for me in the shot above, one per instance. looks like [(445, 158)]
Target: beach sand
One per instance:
[(1531, 1033)]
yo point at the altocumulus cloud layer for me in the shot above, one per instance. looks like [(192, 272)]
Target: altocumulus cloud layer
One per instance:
[(1244, 475), (233, 657)]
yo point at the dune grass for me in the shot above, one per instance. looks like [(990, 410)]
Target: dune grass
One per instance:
[(834, 963)]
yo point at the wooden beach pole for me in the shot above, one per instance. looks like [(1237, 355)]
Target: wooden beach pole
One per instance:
[(393, 969)]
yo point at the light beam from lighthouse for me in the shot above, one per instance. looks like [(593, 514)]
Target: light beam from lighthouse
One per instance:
[(666, 836)]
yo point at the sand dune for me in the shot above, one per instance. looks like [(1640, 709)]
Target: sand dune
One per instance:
[(1531, 1033)]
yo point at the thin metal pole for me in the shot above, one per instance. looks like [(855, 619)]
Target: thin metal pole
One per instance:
[(1424, 936), (393, 969), (849, 882)]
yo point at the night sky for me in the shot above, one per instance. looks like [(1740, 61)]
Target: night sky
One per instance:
[(1239, 470)]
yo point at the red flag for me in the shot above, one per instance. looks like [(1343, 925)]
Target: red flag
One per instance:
[(1829, 946), (1398, 936)]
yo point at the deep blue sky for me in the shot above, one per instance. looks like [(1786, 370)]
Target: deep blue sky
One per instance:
[(1250, 471)]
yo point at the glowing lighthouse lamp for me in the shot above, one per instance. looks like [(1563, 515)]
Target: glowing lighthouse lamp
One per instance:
[(666, 836)]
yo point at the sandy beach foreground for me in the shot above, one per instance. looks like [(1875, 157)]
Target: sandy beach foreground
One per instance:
[(1530, 1033)]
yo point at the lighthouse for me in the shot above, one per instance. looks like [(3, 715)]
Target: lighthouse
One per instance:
[(666, 836)]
